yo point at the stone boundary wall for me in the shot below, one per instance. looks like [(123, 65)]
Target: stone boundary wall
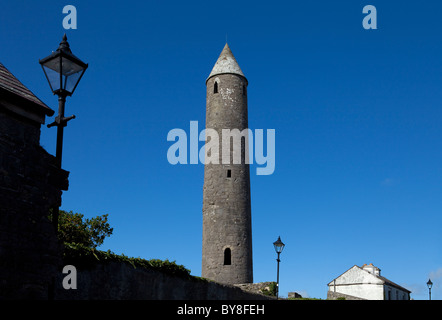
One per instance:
[(257, 288), (121, 281), (335, 295)]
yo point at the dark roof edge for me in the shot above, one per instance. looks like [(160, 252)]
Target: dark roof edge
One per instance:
[(12, 87)]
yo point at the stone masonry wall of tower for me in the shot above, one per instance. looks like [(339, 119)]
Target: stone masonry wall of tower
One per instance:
[(227, 231)]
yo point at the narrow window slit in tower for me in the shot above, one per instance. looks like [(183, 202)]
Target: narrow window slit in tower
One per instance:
[(215, 87), (229, 173), (227, 257), (244, 90)]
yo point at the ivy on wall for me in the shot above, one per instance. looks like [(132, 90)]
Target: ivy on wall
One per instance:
[(87, 257)]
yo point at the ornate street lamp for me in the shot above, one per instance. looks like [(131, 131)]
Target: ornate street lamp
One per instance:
[(63, 70), (279, 246), (429, 285)]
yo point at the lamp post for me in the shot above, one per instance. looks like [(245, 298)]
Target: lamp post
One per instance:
[(279, 246), (63, 70), (429, 285)]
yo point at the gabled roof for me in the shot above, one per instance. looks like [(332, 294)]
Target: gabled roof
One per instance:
[(226, 63), (383, 280), (392, 284), (11, 86)]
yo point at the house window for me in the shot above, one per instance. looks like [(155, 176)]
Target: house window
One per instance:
[(227, 257), (229, 173), (215, 87)]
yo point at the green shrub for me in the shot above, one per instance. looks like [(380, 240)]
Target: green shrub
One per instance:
[(73, 228), (82, 256), (80, 237), (271, 291)]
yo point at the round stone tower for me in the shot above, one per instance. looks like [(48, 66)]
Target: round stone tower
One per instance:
[(227, 227)]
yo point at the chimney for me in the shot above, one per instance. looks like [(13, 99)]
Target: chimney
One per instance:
[(372, 269)]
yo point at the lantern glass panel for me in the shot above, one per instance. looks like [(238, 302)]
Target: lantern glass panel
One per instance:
[(429, 284), (71, 80), (66, 77), (53, 78), (279, 245)]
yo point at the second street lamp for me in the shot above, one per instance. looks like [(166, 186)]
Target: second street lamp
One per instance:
[(279, 246), (63, 70), (429, 285)]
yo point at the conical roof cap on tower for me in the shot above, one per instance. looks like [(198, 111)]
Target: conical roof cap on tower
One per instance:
[(226, 63)]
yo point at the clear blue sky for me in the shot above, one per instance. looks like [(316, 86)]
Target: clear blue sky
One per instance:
[(357, 115)]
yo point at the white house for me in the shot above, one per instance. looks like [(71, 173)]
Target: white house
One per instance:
[(367, 283)]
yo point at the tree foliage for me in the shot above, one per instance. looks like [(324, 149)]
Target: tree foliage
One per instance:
[(81, 236), (74, 228)]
